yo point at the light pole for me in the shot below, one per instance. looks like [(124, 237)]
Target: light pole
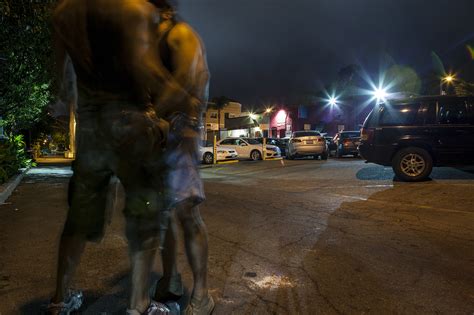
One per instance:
[(448, 79), (268, 111)]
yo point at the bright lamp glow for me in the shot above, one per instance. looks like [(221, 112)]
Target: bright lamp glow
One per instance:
[(332, 100), (380, 94), (448, 78), (253, 116)]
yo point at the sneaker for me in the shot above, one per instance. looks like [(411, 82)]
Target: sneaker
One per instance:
[(72, 303), (201, 307), (156, 308), (171, 290)]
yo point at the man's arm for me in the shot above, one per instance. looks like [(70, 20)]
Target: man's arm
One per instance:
[(189, 61)]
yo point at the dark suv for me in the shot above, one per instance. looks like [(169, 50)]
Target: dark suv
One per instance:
[(416, 134)]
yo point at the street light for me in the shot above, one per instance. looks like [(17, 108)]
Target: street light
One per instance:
[(380, 94), (268, 110), (332, 101), (448, 79)]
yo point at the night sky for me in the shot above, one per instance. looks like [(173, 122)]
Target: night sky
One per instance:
[(266, 51)]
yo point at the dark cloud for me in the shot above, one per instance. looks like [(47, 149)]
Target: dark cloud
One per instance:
[(268, 50)]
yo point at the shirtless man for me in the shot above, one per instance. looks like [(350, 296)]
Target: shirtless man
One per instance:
[(122, 86), (182, 53)]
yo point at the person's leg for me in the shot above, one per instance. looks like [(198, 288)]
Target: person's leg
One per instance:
[(143, 233), (195, 240), (71, 248), (85, 222), (169, 287), (169, 251), (142, 256)]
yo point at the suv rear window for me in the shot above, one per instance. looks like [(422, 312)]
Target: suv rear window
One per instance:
[(452, 113), (297, 134), (399, 115)]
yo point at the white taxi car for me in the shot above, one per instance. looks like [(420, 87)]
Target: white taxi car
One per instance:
[(249, 148), (223, 153)]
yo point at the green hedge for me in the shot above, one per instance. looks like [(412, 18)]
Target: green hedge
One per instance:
[(12, 157)]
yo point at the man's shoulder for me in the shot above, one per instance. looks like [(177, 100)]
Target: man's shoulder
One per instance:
[(183, 30)]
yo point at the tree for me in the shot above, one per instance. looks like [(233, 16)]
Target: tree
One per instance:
[(25, 62), (219, 103), (346, 76), (403, 80)]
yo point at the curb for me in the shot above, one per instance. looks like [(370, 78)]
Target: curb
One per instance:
[(7, 188)]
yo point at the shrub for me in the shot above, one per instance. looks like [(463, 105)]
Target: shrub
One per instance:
[(12, 157)]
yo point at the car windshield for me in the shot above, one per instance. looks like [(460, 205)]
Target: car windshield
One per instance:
[(353, 134), (298, 134), (206, 143)]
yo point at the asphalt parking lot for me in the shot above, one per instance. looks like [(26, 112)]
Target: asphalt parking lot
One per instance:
[(285, 237)]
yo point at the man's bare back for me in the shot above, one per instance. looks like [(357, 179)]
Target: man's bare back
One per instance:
[(113, 48)]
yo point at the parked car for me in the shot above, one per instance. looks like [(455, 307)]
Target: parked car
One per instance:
[(416, 134), (307, 143), (281, 143), (346, 143), (223, 153), (249, 148)]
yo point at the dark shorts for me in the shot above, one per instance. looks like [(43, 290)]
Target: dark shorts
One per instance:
[(182, 162), (126, 142)]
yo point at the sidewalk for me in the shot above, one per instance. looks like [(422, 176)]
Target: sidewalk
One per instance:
[(53, 160)]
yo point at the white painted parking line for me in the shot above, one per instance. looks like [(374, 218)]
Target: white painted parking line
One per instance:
[(408, 205)]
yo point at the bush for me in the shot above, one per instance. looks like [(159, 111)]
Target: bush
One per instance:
[(12, 157)]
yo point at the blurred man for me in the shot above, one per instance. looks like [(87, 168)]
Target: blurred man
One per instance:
[(122, 85), (182, 53)]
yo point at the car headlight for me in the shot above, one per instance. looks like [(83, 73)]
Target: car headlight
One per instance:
[(221, 151), (272, 149)]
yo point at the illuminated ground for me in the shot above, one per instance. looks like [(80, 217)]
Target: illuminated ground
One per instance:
[(291, 237)]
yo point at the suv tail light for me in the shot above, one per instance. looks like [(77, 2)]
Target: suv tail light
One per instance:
[(367, 135)]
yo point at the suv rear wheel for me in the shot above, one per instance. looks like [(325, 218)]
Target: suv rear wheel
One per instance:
[(412, 164)]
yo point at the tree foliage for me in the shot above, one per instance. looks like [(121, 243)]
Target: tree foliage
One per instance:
[(26, 63), (219, 103), (403, 79), (12, 157)]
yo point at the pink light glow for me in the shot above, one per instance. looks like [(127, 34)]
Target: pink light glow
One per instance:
[(281, 117)]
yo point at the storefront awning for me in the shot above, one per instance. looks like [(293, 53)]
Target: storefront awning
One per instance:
[(244, 122)]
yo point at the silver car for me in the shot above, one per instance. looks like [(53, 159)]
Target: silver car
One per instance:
[(307, 143)]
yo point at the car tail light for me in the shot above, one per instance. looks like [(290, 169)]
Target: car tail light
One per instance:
[(367, 135), (320, 140), (346, 141)]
